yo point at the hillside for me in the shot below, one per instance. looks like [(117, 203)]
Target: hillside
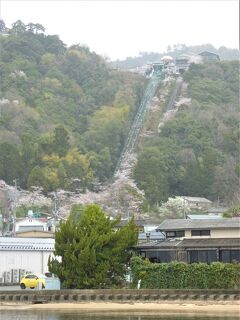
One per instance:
[(196, 153), (64, 113)]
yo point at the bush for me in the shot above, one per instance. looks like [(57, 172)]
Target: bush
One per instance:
[(180, 275)]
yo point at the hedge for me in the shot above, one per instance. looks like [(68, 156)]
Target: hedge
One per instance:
[(180, 275)]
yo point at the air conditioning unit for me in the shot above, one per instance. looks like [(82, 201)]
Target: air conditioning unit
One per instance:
[(7, 277), (22, 273), (15, 276)]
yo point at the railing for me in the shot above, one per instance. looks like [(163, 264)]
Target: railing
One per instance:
[(138, 121)]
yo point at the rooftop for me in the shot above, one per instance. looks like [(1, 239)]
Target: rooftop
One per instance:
[(190, 243), (204, 216), (217, 242), (203, 53), (161, 244), (196, 199), (184, 224), (26, 244)]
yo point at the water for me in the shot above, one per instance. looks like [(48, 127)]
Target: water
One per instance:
[(78, 315)]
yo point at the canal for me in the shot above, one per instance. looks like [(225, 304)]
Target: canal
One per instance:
[(79, 315)]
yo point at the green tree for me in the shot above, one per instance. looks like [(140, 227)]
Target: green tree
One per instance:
[(10, 163), (18, 27), (61, 141), (93, 254), (2, 26), (151, 173), (35, 27)]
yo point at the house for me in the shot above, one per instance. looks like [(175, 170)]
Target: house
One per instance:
[(195, 228), (18, 255), (191, 250), (31, 224), (197, 240), (197, 202), (209, 56)]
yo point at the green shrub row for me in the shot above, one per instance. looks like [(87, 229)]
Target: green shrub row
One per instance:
[(180, 275)]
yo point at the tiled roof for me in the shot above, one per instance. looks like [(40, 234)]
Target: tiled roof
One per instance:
[(197, 199), (26, 244), (184, 224), (190, 244), (168, 244), (217, 242)]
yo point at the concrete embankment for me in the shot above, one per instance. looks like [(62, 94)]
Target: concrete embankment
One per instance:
[(117, 295)]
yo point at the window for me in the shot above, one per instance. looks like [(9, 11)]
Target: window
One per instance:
[(200, 232), (180, 233), (206, 256), (229, 255), (174, 234), (30, 276)]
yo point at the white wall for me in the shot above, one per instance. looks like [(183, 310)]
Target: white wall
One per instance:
[(29, 224), (217, 233), (35, 261)]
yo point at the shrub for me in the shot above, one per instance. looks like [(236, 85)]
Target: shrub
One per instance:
[(180, 275)]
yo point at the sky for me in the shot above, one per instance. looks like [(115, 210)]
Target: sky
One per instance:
[(121, 28)]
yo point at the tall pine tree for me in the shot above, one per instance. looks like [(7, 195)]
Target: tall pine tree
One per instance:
[(93, 252)]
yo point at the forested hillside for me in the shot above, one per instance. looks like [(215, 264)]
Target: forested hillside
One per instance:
[(64, 114), (197, 152)]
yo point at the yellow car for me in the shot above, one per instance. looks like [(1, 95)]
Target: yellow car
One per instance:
[(33, 281)]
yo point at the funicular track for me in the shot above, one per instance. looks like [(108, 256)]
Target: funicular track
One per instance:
[(138, 122)]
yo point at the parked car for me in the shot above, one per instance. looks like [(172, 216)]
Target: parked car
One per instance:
[(33, 281)]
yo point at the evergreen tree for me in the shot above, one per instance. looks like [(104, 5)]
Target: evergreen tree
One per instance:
[(93, 253), (61, 141)]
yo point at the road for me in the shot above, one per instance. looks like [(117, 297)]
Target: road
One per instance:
[(12, 288)]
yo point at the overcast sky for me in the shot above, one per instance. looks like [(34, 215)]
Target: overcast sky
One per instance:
[(124, 28)]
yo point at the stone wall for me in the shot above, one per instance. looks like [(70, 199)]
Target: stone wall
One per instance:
[(116, 295)]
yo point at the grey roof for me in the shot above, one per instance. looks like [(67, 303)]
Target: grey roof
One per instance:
[(197, 199), (191, 244), (203, 216), (217, 242), (184, 224), (203, 53), (164, 244), (26, 244)]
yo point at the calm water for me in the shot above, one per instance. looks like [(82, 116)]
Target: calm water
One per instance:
[(48, 315)]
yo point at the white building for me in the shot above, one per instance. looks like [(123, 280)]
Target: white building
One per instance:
[(31, 224), (18, 255), (197, 202)]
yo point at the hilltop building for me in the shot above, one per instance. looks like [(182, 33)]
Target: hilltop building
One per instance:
[(197, 203), (209, 56), (182, 63)]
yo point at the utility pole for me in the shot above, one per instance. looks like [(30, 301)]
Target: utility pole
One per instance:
[(14, 206), (55, 210)]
